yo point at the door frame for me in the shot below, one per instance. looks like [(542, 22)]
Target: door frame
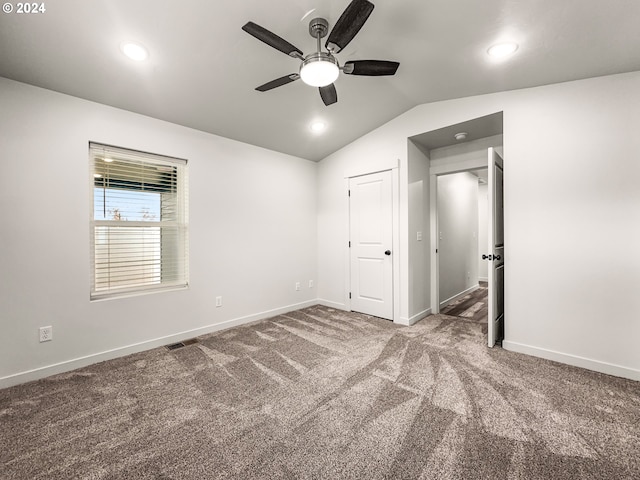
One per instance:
[(434, 173), (395, 249)]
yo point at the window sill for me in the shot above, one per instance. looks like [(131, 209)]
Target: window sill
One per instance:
[(100, 297)]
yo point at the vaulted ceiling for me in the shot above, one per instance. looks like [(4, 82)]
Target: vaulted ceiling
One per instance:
[(203, 69)]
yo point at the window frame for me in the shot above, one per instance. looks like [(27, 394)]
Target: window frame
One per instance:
[(98, 152)]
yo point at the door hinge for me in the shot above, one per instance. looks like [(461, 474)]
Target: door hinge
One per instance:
[(349, 243), (349, 294), (349, 192)]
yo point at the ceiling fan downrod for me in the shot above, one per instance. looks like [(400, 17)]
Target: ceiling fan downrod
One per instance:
[(318, 28)]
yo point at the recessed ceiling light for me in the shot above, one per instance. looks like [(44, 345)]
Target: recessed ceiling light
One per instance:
[(502, 50), (134, 51), (318, 126)]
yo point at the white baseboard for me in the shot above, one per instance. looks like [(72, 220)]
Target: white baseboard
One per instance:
[(401, 321), (459, 295), (407, 322), (574, 360), (419, 316), (68, 365), (330, 304), (483, 279)]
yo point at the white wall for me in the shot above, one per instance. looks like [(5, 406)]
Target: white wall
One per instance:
[(252, 234), (483, 232), (419, 232), (572, 214), (571, 249), (457, 195), (333, 224)]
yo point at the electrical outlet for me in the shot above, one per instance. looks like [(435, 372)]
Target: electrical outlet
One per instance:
[(218, 301), (310, 283), (46, 334), (297, 286)]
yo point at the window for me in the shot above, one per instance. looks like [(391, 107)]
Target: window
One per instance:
[(139, 221)]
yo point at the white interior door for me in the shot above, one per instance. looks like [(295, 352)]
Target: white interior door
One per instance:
[(371, 249), (495, 255)]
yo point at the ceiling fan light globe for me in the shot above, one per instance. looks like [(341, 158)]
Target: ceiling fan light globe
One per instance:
[(319, 70)]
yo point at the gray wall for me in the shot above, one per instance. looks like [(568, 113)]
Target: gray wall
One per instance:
[(419, 230), (572, 263), (252, 234), (571, 250), (458, 234)]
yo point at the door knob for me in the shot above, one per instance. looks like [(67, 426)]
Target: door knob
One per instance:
[(497, 257), (388, 252), (486, 257)]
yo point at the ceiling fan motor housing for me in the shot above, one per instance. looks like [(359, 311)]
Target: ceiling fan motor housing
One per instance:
[(318, 27)]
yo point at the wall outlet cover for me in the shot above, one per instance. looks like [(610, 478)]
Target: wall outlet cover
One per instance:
[(46, 334)]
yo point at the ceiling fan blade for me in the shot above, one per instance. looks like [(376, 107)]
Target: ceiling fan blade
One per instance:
[(329, 94), (370, 68), (278, 82), (271, 39), (348, 25)]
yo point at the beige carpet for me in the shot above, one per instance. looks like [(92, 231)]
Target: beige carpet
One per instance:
[(324, 394)]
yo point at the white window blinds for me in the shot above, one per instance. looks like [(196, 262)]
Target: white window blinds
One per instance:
[(139, 221)]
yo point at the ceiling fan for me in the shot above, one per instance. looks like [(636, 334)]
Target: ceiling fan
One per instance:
[(320, 69)]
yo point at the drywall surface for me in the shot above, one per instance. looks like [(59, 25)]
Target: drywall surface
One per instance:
[(419, 232), (458, 234), (475, 151), (252, 234), (570, 155), (333, 225)]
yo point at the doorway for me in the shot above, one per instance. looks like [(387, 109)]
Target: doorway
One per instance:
[(459, 236), (456, 148), (494, 252)]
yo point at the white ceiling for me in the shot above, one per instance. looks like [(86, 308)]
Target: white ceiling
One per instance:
[(203, 68)]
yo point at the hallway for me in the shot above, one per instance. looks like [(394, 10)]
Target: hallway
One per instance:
[(473, 306)]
